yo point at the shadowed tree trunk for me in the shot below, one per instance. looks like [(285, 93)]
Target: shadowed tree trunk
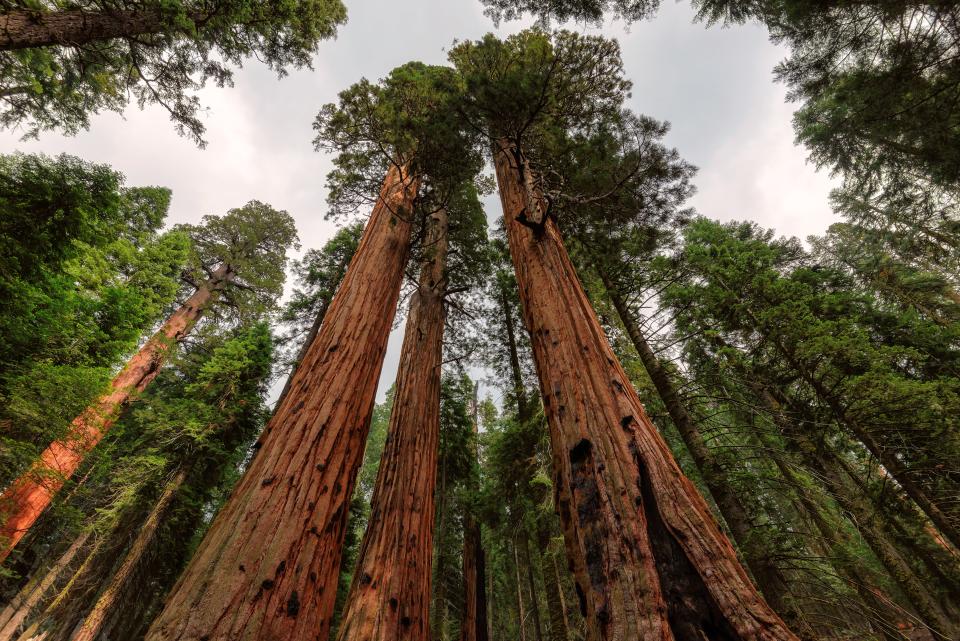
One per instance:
[(521, 612), (558, 583), (649, 559), (390, 596), (770, 579), (490, 613), (29, 597), (473, 622), (532, 586), (268, 566), (95, 621), (519, 391), (29, 495), (556, 609)]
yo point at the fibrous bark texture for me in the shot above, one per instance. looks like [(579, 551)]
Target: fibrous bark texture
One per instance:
[(23, 28), (770, 578), (29, 495), (268, 567), (473, 621), (390, 595), (650, 561)]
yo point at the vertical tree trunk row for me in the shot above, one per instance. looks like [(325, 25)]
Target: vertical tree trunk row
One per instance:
[(96, 619), (29, 495), (649, 559), (390, 596), (30, 596), (268, 566)]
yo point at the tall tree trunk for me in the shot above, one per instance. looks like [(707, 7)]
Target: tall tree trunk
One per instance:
[(473, 625), (551, 584), (532, 586), (25, 28), (649, 559), (519, 391), (29, 597), (29, 495), (473, 622), (390, 596), (490, 612), (770, 578), (94, 622), (558, 582), (521, 613), (268, 566)]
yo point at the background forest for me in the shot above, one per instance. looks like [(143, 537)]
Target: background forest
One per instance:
[(607, 410)]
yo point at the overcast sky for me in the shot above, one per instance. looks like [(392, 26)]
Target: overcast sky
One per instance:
[(714, 86)]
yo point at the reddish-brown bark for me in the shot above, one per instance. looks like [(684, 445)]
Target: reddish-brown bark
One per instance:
[(390, 596), (769, 577), (650, 561), (268, 567), (30, 494)]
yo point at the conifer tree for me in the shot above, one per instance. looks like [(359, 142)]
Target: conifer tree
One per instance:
[(628, 513), (248, 246), (171, 457), (277, 576), (59, 64)]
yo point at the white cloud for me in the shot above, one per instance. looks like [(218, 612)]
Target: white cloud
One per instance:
[(714, 85)]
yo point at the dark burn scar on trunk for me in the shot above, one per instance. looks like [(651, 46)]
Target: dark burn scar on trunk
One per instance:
[(593, 530), (293, 604), (692, 613)]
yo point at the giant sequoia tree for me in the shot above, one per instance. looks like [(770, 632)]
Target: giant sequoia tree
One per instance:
[(628, 513), (240, 256), (390, 595), (59, 64), (282, 581)]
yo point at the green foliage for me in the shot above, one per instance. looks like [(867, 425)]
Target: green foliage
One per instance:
[(411, 116), (885, 372), (87, 274), (253, 241), (537, 84), (589, 11), (877, 83), (164, 52)]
